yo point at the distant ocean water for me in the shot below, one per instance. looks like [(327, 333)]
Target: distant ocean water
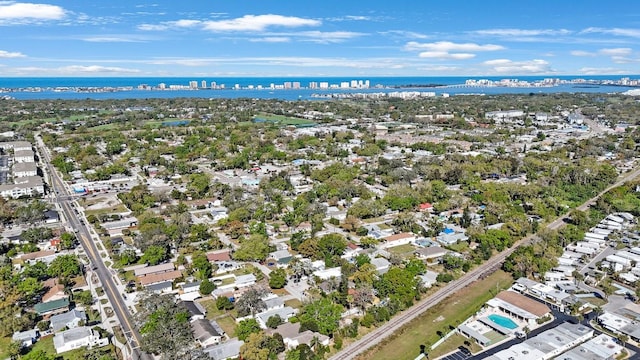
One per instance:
[(22, 87)]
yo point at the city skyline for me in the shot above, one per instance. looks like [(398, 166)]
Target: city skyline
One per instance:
[(330, 38)]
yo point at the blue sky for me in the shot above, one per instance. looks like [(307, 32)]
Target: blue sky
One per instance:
[(319, 38)]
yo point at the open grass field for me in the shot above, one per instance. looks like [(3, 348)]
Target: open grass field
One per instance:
[(282, 120), (402, 250), (405, 344)]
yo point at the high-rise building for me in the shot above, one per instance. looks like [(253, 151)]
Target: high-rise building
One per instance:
[(296, 85), (204, 84), (313, 85), (193, 84)]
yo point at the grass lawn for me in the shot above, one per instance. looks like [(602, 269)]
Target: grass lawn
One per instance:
[(284, 120), (118, 208), (46, 344), (402, 250), (212, 310), (228, 324), (294, 303), (594, 301), (461, 247), (4, 347), (405, 343)]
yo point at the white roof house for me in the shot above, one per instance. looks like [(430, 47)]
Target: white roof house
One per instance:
[(77, 338)]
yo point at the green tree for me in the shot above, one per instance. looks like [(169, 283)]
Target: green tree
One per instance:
[(207, 287), (37, 355), (246, 328), (83, 297), (274, 321), (164, 327), (254, 248), (201, 263), (223, 303), (324, 313), (251, 302), (277, 279), (154, 255), (65, 266)]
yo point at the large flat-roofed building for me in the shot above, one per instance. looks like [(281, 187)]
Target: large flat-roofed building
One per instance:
[(547, 344), (16, 145), (20, 156), (519, 306), (600, 347), (23, 169), (24, 186)]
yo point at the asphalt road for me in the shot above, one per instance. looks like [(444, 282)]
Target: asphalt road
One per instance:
[(371, 339), (104, 273)]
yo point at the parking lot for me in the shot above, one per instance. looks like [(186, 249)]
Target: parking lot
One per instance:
[(458, 355)]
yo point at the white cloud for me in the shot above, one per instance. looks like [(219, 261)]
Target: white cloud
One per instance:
[(506, 66), (258, 23), (10, 55), (272, 39), (445, 55), (95, 69), (582, 53), (522, 32), (247, 23), (616, 51), (370, 63), (447, 46), (404, 34), (72, 70), (13, 11), (113, 39), (602, 71), (326, 37), (351, 18), (624, 60), (449, 50), (153, 27), (613, 31), (441, 68)]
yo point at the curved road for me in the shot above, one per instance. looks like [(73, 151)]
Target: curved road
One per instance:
[(358, 347), (62, 197)]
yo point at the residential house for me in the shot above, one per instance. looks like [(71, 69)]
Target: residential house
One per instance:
[(381, 264), (425, 207), (282, 257), (155, 269), (52, 307), (351, 251), (217, 256), (54, 293), (292, 337), (431, 253), (159, 277), (70, 319), (195, 309), (429, 278), (227, 350), (45, 256), (284, 312), (397, 240), (77, 338), (205, 333), (273, 302), (26, 338), (163, 287)]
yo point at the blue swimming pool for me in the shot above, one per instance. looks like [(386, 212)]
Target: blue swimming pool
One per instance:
[(503, 321)]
